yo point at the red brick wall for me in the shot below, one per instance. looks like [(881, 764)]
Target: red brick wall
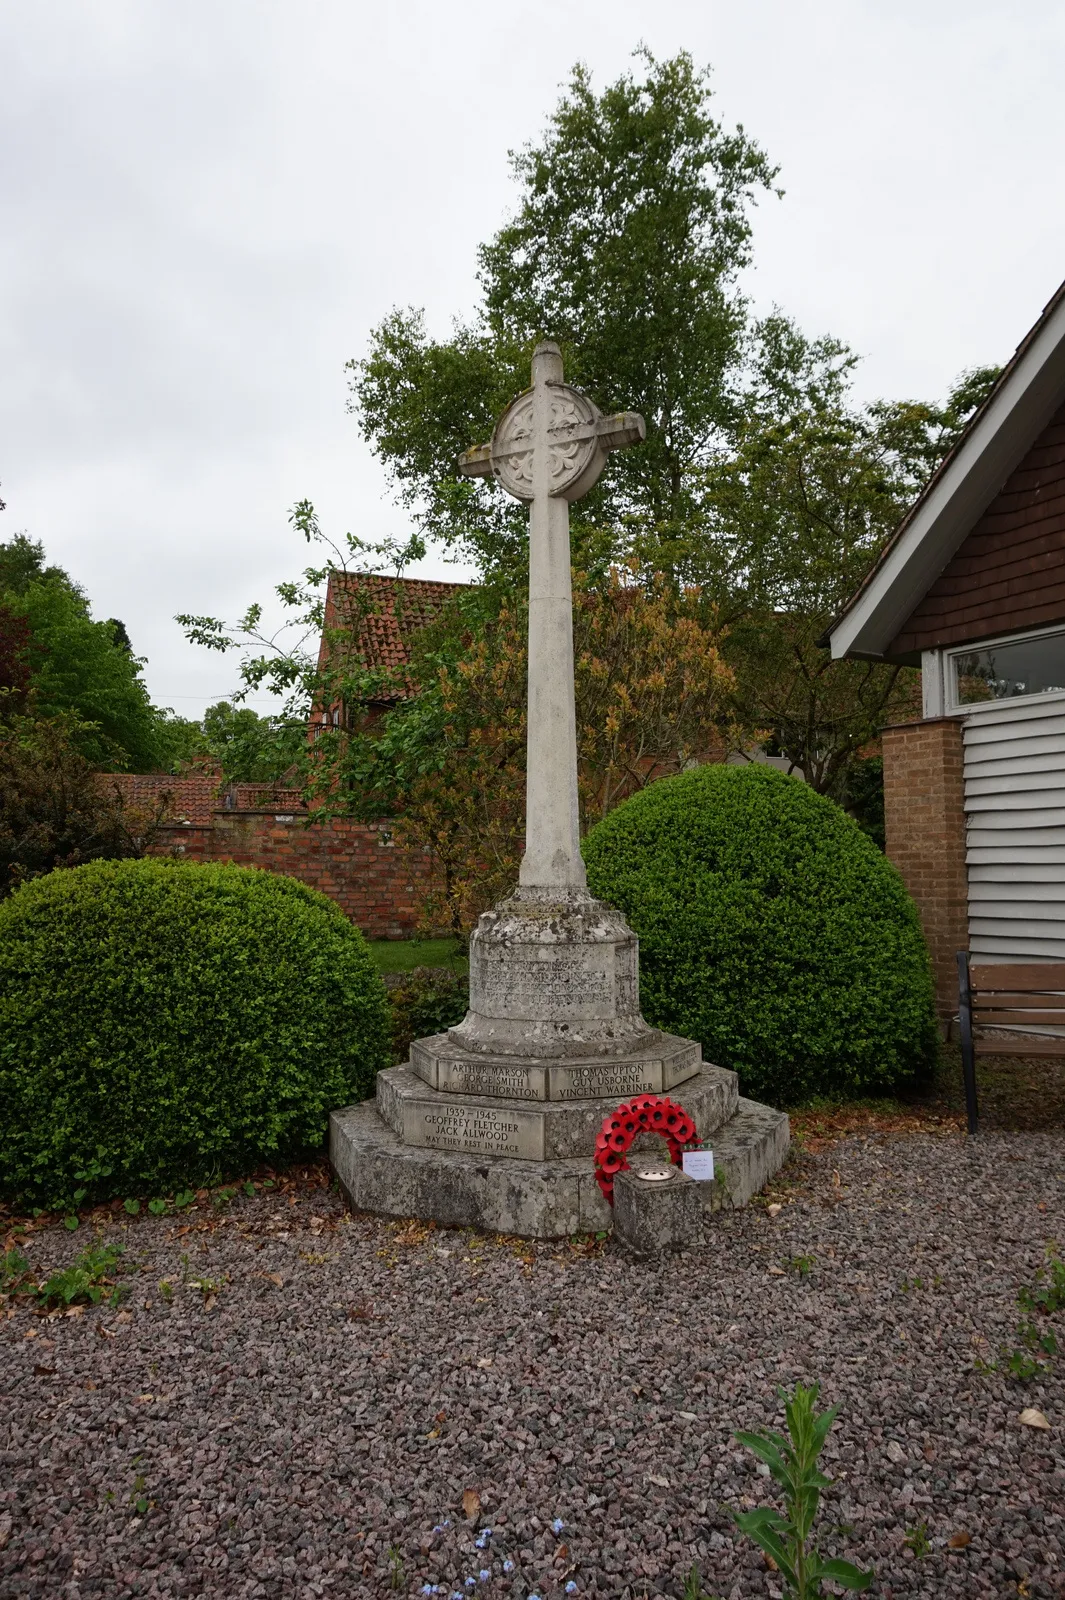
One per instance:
[(378, 885), (924, 818)]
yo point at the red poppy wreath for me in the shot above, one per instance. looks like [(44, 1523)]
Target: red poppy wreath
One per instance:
[(644, 1113)]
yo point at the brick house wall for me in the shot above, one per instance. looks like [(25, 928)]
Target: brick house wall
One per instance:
[(359, 865), (924, 820)]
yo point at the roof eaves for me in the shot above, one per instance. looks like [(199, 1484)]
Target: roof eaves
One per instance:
[(1029, 389)]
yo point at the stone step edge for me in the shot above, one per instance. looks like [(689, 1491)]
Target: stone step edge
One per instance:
[(400, 1089), (384, 1177), (662, 1066)]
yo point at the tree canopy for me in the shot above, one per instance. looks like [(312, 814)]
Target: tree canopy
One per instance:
[(79, 668), (763, 493), (632, 226)]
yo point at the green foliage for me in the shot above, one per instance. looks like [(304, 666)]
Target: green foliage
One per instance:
[(79, 667), (247, 747), (250, 748), (15, 1273), (1023, 1361), (162, 1022), (56, 810), (771, 930), (864, 797), (425, 1002), (918, 1541), (631, 228), (792, 1462), (89, 1278)]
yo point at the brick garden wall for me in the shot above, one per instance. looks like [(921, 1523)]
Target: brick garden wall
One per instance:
[(378, 885), (924, 818)]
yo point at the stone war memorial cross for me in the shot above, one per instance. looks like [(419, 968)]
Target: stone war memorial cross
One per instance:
[(493, 1123), (550, 448)]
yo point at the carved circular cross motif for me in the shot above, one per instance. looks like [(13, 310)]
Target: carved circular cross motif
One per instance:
[(645, 1113), (569, 432)]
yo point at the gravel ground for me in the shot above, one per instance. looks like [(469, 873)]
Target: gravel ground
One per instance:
[(309, 1426)]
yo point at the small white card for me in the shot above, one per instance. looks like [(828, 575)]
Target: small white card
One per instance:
[(698, 1164)]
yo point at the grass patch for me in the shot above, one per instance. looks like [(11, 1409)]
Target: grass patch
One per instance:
[(403, 955)]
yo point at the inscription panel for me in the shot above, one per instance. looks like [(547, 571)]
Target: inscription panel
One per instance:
[(542, 983), (491, 1078), (470, 1130), (609, 1080)]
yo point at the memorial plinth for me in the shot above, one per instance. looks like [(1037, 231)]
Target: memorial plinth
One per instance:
[(493, 1123)]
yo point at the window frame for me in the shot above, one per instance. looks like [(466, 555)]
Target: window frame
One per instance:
[(974, 707)]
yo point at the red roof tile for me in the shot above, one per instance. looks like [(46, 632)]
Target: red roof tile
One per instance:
[(385, 612)]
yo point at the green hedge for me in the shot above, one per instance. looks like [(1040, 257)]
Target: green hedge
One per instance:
[(772, 930), (163, 1023)]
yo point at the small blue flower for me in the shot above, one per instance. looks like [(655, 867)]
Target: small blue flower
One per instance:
[(427, 1588), (558, 1525), (484, 1574), (471, 1583), (571, 1587), (508, 1565)]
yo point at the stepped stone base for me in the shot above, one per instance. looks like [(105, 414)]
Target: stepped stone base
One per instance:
[(537, 1199)]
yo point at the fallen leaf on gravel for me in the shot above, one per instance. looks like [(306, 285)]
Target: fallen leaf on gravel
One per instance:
[(929, 1452), (659, 1483), (441, 1416), (775, 1209), (5, 1530), (1033, 1418), (75, 1311), (105, 1333), (273, 1277), (44, 1372), (770, 1563), (471, 1503), (959, 1540), (210, 1302), (124, 1316), (485, 1361), (776, 1272)]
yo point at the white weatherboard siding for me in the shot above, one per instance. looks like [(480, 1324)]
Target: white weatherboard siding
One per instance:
[(1015, 839)]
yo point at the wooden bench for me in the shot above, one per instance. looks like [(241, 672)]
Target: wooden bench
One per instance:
[(1007, 996)]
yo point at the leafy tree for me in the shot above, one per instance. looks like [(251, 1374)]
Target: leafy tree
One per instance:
[(250, 748), (800, 507), (77, 666), (14, 660), (448, 761), (760, 482), (56, 809), (632, 227)]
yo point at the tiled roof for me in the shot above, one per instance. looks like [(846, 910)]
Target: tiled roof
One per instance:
[(386, 612)]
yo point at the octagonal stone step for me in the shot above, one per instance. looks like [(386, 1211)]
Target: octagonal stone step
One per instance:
[(546, 1130), (661, 1063)]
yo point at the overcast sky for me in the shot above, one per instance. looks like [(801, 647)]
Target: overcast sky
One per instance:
[(206, 206)]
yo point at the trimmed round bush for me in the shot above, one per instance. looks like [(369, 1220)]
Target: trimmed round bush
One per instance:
[(164, 1024), (772, 930)]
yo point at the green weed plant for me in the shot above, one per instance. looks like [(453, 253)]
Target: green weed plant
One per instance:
[(792, 1462)]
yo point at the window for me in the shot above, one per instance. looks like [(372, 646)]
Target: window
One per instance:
[(1034, 665)]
